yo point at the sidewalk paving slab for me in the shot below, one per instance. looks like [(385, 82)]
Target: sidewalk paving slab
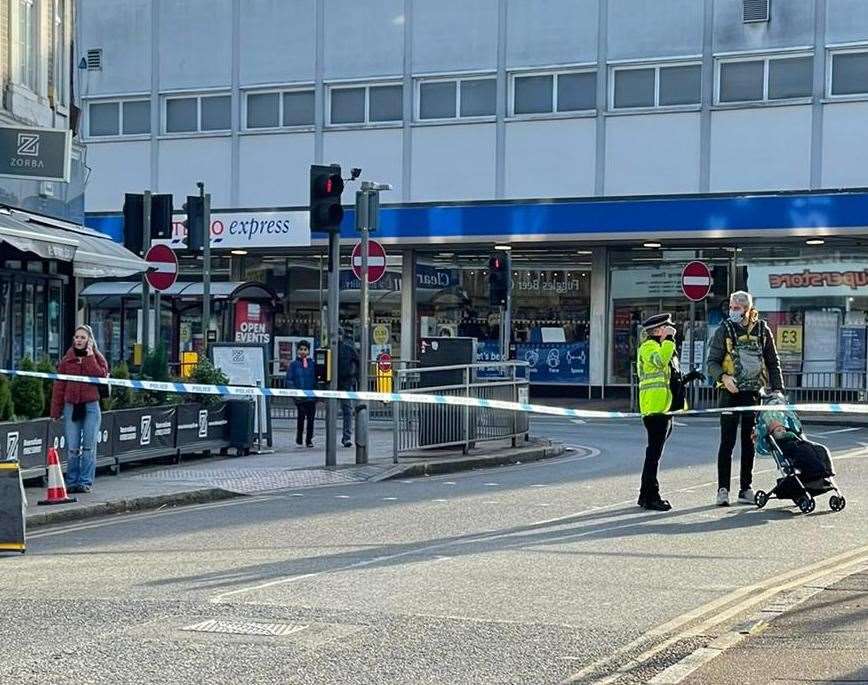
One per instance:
[(205, 479)]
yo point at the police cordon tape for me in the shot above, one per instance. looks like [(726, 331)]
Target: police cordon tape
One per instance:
[(414, 397)]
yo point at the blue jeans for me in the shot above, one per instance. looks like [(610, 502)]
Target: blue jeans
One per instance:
[(81, 444)]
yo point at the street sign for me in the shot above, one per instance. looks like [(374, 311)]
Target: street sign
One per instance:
[(384, 362), (376, 261), (41, 154), (696, 281), (164, 265), (380, 334)]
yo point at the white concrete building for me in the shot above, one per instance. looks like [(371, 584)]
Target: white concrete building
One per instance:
[(512, 121)]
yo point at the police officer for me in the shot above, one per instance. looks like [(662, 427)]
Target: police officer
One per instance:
[(661, 390)]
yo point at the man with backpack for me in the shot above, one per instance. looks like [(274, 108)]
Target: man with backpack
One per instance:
[(742, 361)]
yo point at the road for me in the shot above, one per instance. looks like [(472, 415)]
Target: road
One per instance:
[(526, 574)]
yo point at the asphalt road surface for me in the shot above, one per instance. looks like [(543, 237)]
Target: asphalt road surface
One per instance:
[(526, 574)]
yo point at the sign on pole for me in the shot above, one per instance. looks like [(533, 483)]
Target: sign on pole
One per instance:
[(376, 261), (40, 154), (164, 267), (696, 281)]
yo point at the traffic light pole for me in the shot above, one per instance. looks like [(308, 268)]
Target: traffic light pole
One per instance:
[(363, 224), (333, 305), (146, 289), (206, 265)]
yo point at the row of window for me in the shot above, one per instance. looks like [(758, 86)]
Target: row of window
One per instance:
[(741, 80)]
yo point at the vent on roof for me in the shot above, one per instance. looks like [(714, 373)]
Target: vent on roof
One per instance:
[(755, 10), (94, 59)]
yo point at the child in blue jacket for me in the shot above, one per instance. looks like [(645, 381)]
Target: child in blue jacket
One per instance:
[(301, 375)]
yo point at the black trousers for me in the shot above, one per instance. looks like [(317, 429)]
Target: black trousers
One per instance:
[(658, 427), (729, 424), (306, 411)]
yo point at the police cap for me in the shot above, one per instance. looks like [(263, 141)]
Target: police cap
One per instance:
[(653, 322)]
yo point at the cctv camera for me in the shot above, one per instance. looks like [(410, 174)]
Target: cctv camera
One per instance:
[(355, 172)]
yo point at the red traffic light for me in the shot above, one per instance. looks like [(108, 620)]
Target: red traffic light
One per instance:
[(330, 185)]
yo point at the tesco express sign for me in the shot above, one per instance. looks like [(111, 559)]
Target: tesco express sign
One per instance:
[(251, 230)]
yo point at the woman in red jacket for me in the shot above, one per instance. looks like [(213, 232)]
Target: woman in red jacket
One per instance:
[(78, 404)]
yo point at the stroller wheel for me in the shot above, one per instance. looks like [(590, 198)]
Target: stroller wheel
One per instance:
[(837, 502), (761, 498), (807, 504)]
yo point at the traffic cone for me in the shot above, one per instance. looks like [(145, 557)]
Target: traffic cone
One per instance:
[(56, 493)]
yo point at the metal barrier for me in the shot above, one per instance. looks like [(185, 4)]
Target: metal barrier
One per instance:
[(428, 426)]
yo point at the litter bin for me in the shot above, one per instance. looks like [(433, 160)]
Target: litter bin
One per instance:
[(242, 414)]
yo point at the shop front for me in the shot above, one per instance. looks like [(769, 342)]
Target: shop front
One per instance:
[(585, 273)]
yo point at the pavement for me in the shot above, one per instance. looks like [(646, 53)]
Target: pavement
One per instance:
[(542, 572), (200, 479)]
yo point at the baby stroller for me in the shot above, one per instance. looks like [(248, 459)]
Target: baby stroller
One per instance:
[(804, 468)]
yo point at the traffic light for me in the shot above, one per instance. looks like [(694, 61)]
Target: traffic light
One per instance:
[(499, 279), (134, 219), (195, 223), (133, 222), (326, 186)]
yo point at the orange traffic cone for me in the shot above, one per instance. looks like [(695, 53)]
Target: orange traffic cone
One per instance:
[(56, 493)]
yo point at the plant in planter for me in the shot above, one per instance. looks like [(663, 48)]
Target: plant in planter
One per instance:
[(121, 397), (27, 393), (155, 368), (7, 407), (205, 373), (45, 365)]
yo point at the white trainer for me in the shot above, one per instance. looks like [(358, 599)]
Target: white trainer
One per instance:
[(722, 499)]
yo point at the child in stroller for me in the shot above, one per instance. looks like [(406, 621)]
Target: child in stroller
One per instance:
[(804, 468)]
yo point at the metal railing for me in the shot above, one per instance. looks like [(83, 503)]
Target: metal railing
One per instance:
[(428, 426)]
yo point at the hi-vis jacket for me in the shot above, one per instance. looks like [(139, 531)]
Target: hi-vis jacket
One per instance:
[(654, 366)]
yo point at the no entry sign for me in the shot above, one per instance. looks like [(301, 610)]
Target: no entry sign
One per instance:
[(696, 281), (164, 267), (376, 261)]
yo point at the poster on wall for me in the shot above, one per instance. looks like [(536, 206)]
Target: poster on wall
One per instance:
[(555, 362), (285, 347), (245, 364), (252, 322), (788, 341), (853, 356), (820, 349)]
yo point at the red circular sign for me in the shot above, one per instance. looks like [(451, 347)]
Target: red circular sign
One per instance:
[(376, 261), (164, 267), (696, 281), (384, 361)]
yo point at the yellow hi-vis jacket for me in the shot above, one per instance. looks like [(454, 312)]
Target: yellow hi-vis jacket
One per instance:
[(654, 367)]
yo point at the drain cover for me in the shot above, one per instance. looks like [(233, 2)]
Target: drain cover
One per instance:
[(245, 628)]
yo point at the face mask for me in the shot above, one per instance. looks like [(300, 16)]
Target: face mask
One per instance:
[(736, 315)]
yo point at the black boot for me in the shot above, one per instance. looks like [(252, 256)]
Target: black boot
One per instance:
[(656, 504)]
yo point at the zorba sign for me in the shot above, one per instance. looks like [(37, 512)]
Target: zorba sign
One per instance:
[(40, 154)]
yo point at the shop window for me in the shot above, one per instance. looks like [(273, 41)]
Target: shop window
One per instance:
[(365, 104), (198, 113), (765, 78), (656, 86), (849, 73), (55, 295), (456, 98)]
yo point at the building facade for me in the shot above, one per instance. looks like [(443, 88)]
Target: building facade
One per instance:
[(607, 142)]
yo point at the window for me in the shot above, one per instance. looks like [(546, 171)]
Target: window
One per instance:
[(126, 117), (656, 86), (197, 113), (454, 98), (27, 44), (275, 109), (366, 104), (765, 78), (849, 73), (548, 93)]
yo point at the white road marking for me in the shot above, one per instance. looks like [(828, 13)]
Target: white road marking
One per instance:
[(539, 485), (295, 494), (449, 482), (578, 422), (491, 502), (493, 484), (390, 499), (837, 430), (439, 500), (342, 496)]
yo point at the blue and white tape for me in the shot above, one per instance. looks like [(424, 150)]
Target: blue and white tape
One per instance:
[(412, 397)]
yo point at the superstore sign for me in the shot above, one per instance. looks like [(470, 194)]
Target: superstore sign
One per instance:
[(826, 279), (251, 230)]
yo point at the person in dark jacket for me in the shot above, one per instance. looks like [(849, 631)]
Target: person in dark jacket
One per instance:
[(742, 362), (348, 379), (301, 375), (78, 405)]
